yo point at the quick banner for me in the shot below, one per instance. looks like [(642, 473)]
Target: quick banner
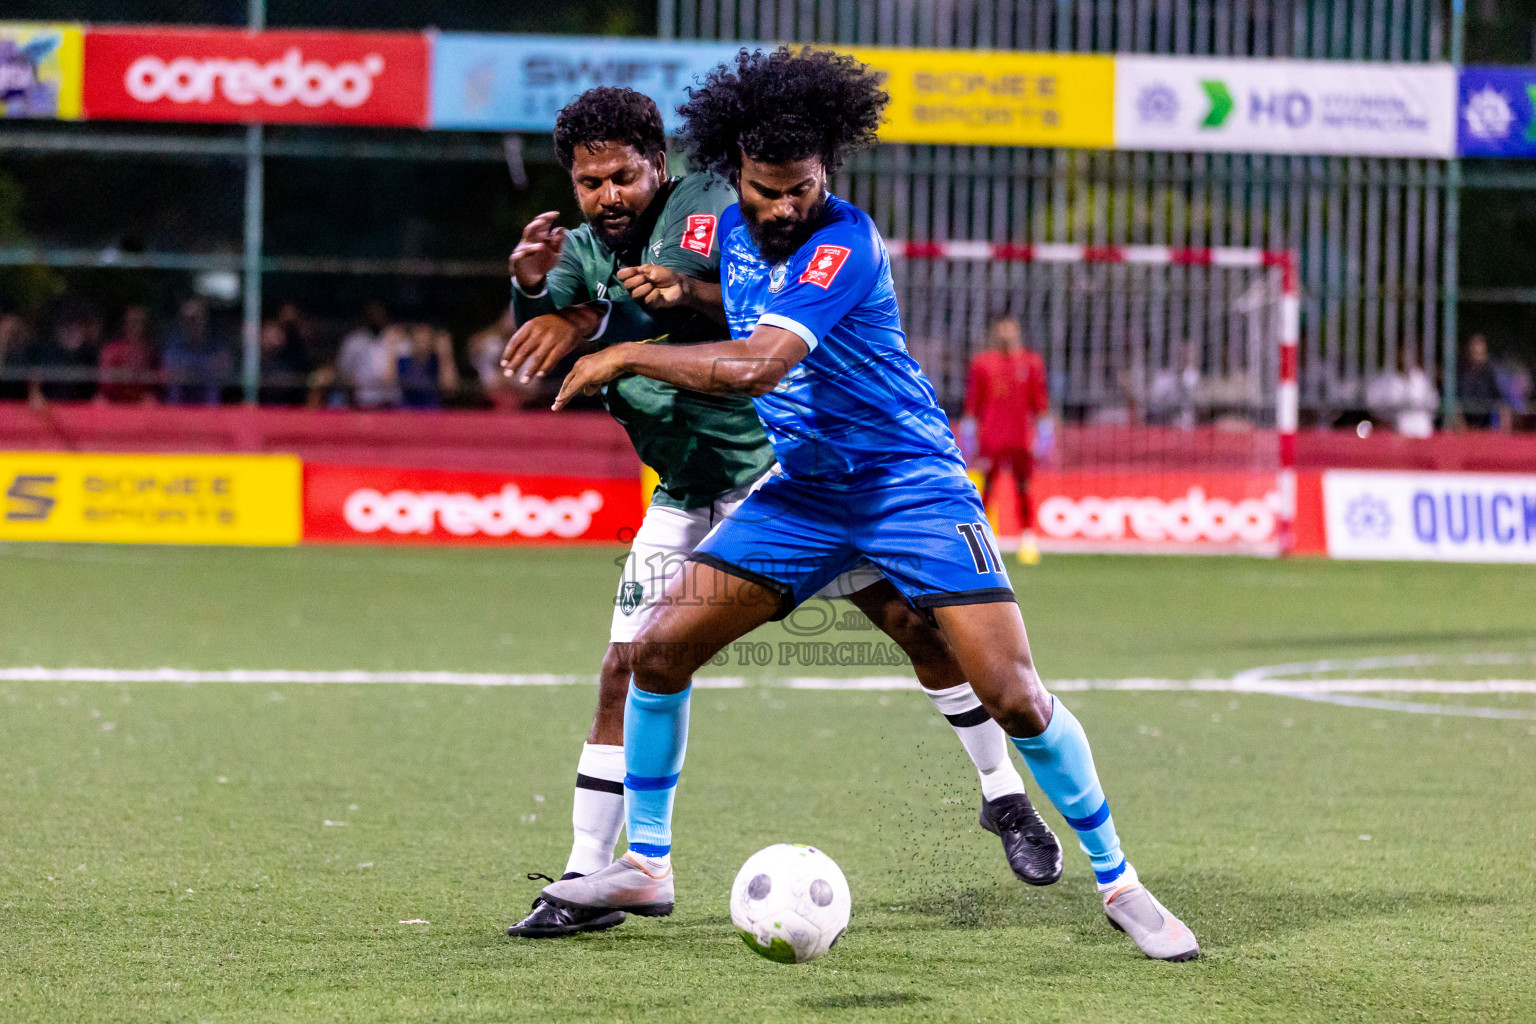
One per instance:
[(150, 499), (1432, 517), (1285, 106)]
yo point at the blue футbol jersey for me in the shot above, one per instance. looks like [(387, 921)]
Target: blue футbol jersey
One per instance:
[(858, 401)]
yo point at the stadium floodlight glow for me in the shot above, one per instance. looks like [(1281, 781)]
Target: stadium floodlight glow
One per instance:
[(1186, 516)]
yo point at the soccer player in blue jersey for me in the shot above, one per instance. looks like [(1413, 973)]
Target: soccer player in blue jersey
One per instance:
[(868, 469)]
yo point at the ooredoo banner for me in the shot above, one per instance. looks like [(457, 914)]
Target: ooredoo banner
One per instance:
[(1285, 106), (1439, 517), (1235, 512), (227, 75), (383, 505), (150, 499)]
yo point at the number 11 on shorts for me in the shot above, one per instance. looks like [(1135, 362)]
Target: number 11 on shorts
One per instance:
[(983, 552)]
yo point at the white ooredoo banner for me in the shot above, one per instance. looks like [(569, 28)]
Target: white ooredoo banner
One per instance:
[(1285, 106), (1442, 517)]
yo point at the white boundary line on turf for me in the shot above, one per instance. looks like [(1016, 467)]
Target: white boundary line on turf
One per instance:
[(1270, 680)]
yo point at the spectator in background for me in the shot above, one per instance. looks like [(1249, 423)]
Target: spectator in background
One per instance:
[(1404, 396), (286, 359), (64, 367), (197, 364), (485, 349), (1005, 398), (365, 365), (127, 362), (15, 346), (1477, 389), (424, 367)]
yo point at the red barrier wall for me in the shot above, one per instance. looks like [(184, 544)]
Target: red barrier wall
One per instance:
[(581, 444)]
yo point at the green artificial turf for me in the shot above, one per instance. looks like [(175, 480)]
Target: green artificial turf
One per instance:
[(165, 853)]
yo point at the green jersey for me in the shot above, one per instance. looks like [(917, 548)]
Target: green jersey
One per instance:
[(701, 446)]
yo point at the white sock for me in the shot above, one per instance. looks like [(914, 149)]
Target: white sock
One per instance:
[(597, 812), (981, 737), (656, 867)]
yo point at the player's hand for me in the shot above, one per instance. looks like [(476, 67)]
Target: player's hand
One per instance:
[(1045, 439), (654, 286), (537, 252), (590, 373), (540, 344)]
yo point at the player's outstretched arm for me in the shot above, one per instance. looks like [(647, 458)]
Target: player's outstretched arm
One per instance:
[(657, 287), (751, 366)]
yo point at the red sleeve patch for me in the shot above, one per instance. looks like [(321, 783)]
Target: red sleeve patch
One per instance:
[(699, 235), (825, 264)]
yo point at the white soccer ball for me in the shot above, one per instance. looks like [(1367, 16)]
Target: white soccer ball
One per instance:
[(790, 903)]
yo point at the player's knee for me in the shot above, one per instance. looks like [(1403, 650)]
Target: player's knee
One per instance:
[(1023, 708)]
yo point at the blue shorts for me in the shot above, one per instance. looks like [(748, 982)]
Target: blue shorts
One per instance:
[(926, 531)]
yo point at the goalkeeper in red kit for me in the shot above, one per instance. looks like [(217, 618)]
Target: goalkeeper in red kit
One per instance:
[(1007, 413)]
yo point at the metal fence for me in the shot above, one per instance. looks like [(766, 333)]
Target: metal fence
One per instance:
[(1376, 237)]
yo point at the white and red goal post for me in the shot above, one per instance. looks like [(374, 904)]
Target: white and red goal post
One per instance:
[(1173, 375)]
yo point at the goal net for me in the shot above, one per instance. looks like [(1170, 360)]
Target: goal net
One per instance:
[(1172, 375)]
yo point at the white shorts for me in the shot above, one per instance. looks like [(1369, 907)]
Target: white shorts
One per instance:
[(667, 536)]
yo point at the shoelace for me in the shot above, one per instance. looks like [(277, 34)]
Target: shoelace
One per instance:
[(534, 876)]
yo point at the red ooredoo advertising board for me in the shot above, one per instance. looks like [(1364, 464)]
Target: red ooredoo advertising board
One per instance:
[(1158, 511), (227, 75), (383, 505)]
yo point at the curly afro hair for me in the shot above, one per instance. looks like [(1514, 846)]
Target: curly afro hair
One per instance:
[(606, 114), (782, 106)]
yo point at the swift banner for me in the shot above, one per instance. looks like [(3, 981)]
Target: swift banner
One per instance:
[(995, 99), (519, 83), (383, 505), (226, 75), (150, 499), (1434, 517), (39, 70), (1285, 106), (1497, 108)]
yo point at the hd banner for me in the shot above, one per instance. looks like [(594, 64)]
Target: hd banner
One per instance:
[(227, 75), (150, 499), (1430, 517), (1285, 106), (40, 70)]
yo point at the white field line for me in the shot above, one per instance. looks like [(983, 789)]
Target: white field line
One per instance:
[(1273, 680)]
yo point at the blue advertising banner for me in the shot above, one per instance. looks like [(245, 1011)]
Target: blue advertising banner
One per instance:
[(1496, 112), (519, 83)]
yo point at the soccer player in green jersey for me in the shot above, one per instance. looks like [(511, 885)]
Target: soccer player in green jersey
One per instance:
[(646, 267)]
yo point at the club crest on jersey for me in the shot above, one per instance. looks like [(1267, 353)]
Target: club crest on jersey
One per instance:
[(630, 595), (776, 277), (824, 265), (699, 235)]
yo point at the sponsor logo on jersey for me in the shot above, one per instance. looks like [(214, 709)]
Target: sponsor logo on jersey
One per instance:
[(824, 265), (699, 235), (630, 596)]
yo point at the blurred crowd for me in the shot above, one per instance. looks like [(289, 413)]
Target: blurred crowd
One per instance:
[(192, 356)]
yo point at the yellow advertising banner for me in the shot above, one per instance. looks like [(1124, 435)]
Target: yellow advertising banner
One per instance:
[(151, 499), (989, 98), (42, 65)]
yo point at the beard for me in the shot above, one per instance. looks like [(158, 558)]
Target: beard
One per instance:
[(778, 240), (623, 237)]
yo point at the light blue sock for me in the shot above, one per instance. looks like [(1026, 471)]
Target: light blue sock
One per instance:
[(1062, 765), (655, 740)]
